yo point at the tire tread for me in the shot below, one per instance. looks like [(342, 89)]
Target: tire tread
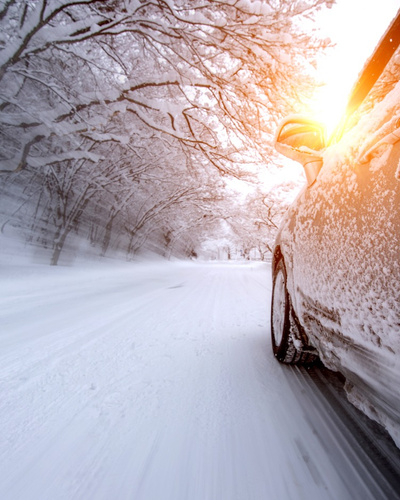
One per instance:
[(287, 352)]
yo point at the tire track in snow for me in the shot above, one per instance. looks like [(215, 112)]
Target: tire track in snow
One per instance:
[(161, 385)]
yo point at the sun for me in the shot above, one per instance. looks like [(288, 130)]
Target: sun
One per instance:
[(329, 104), (354, 42), (337, 73)]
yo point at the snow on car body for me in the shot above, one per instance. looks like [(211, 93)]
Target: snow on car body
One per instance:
[(336, 268)]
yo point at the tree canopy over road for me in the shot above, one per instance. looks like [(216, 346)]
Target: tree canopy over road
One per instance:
[(121, 121)]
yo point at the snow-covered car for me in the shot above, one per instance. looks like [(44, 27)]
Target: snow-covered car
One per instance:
[(336, 260)]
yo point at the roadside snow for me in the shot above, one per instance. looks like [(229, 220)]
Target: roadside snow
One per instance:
[(152, 381)]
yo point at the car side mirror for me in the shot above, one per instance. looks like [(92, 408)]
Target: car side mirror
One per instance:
[(302, 140)]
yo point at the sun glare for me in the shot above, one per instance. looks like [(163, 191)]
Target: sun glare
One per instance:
[(355, 42), (329, 105), (337, 72)]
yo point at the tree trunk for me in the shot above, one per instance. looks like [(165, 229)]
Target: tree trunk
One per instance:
[(59, 246)]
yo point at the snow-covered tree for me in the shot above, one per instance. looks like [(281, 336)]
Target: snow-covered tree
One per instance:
[(207, 73), (93, 92)]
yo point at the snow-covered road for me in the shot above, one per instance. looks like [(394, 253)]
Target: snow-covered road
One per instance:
[(157, 382)]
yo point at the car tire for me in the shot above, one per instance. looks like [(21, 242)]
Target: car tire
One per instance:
[(287, 346)]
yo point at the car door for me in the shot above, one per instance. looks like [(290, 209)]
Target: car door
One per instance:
[(347, 244)]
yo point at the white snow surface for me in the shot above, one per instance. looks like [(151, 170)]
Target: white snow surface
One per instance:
[(152, 381)]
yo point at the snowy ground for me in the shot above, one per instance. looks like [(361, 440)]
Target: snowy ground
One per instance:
[(157, 382)]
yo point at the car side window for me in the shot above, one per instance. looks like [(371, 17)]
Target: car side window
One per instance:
[(384, 85), (375, 127)]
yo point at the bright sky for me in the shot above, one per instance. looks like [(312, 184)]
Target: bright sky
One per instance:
[(355, 26)]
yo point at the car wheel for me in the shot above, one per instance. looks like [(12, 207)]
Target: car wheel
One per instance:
[(287, 347)]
